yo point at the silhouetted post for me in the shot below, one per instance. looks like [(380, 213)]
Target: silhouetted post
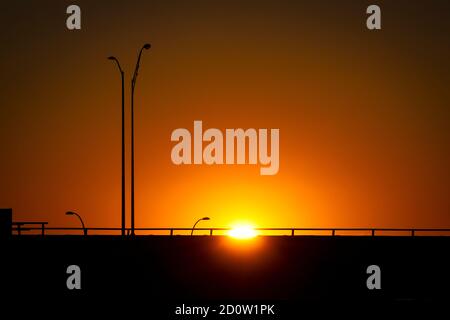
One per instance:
[(6, 223), (123, 148), (133, 84), (123, 142), (204, 218), (71, 213)]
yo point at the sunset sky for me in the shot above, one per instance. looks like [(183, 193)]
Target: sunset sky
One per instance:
[(364, 116)]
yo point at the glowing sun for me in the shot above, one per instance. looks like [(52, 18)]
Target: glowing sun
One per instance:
[(242, 232)]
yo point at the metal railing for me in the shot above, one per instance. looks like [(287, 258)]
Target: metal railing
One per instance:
[(19, 227)]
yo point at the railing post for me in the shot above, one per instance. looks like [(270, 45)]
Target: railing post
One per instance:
[(43, 228), (210, 232), (373, 232), (292, 232), (18, 229), (171, 232), (412, 232), (333, 232)]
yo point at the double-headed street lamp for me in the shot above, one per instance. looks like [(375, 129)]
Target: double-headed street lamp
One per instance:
[(133, 85)]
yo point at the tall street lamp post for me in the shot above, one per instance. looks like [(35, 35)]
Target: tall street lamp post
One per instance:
[(133, 84), (123, 142)]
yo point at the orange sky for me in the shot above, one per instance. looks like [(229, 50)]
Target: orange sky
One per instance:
[(363, 116)]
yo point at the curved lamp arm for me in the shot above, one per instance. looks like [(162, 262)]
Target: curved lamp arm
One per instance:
[(204, 218)]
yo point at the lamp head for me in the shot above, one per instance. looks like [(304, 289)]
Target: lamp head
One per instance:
[(206, 218), (70, 213), (147, 46), (111, 58)]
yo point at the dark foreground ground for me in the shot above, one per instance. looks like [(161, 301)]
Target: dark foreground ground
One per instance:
[(155, 274)]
